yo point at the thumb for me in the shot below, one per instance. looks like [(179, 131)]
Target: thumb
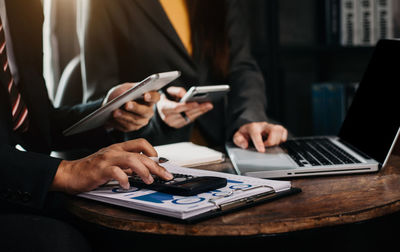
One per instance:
[(240, 140), (114, 172), (118, 90), (176, 92)]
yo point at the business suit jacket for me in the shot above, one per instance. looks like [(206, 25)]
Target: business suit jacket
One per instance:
[(127, 40), (26, 176)]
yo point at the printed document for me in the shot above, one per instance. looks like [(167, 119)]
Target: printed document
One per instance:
[(183, 207)]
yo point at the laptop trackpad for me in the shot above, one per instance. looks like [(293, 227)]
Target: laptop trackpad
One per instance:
[(273, 159)]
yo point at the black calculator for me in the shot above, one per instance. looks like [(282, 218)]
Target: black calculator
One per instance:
[(181, 184)]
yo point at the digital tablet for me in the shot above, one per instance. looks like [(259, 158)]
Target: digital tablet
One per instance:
[(98, 117), (205, 93)]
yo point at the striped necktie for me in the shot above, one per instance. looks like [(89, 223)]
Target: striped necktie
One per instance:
[(19, 110)]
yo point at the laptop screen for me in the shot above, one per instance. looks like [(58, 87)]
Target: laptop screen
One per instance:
[(373, 119)]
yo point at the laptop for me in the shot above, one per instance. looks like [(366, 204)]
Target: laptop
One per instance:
[(366, 138)]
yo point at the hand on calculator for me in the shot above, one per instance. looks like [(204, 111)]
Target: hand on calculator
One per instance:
[(181, 184)]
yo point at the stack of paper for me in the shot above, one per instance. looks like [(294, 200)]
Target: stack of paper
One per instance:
[(188, 154), (238, 192)]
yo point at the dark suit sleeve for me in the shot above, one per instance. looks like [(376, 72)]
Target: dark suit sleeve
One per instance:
[(27, 175), (18, 171), (247, 99), (156, 132), (63, 117), (98, 40), (104, 38)]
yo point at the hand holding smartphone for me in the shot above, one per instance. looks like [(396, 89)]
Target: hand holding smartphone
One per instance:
[(205, 93)]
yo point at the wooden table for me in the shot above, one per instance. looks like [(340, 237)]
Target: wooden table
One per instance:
[(325, 201)]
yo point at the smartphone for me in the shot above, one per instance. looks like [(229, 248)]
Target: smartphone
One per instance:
[(205, 93)]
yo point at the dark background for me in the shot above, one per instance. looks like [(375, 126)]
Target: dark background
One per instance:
[(287, 40), (288, 45)]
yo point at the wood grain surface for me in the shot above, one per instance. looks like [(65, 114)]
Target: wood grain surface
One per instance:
[(324, 201)]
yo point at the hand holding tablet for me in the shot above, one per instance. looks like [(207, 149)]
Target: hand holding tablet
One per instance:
[(102, 114)]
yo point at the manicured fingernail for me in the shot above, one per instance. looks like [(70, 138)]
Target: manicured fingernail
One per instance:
[(130, 106), (117, 113), (147, 97)]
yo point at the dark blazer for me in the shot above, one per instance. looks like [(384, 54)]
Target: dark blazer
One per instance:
[(27, 176), (125, 41)]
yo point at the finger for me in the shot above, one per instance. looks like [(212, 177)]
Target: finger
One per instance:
[(178, 108), (274, 135), (127, 121), (183, 107), (122, 125), (127, 171), (272, 139), (193, 116), (128, 117), (152, 97), (156, 169), (119, 126), (138, 145), (114, 123), (175, 120), (196, 112), (240, 140), (114, 172), (124, 87), (166, 103), (176, 92), (203, 107), (120, 89), (208, 105), (256, 137), (142, 110), (284, 136), (138, 167)]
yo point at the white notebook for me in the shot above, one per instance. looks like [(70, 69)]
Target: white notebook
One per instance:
[(188, 154)]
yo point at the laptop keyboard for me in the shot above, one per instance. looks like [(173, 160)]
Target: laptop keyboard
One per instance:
[(316, 152)]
